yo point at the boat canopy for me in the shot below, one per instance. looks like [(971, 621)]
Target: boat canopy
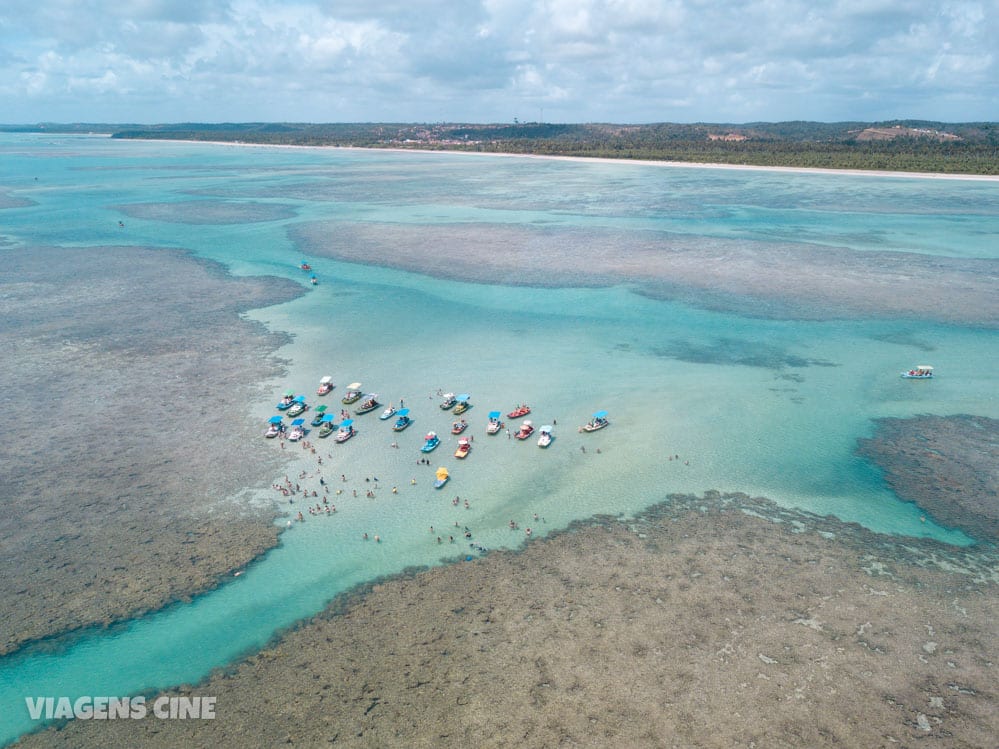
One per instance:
[(402, 412), (327, 418), (326, 380), (300, 399), (546, 428), (463, 397), (600, 415), (298, 422), (322, 408), (430, 435), (354, 386), (275, 419), (463, 441), (494, 414), (441, 473), (346, 423), (925, 367), (527, 423), (448, 395)]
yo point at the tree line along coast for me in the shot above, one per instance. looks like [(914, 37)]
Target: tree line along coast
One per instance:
[(899, 145)]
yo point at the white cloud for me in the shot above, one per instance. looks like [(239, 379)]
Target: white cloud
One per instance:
[(581, 60)]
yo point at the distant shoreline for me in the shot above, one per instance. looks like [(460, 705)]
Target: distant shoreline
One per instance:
[(600, 160)]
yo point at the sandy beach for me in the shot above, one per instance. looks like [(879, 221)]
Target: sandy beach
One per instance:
[(710, 621), (125, 371), (643, 162)]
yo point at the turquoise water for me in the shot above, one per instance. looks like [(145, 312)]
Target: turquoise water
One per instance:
[(770, 407)]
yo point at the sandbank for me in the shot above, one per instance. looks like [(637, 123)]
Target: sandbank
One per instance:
[(125, 377), (711, 621)]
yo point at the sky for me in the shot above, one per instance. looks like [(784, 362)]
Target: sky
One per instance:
[(623, 61)]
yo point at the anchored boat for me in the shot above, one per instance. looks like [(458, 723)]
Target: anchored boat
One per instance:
[(922, 372), (297, 430), (597, 422), (370, 403), (442, 477), (346, 430), (353, 393), (326, 426), (403, 421), (494, 425), (546, 436)]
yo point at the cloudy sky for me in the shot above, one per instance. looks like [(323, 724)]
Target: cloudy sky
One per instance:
[(494, 60)]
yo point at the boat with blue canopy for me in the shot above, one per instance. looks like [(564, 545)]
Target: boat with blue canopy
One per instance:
[(403, 421), (298, 406), (327, 426), (495, 423), (346, 430), (275, 427), (297, 430), (596, 423), (463, 404)]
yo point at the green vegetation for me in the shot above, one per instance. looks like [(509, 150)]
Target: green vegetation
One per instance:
[(909, 145)]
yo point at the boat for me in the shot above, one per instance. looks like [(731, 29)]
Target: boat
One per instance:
[(525, 431), (522, 410), (320, 412), (463, 404), (494, 425), (274, 427), (297, 430), (599, 421), (464, 446), (346, 430), (298, 406), (442, 477), (403, 421), (448, 402), (370, 403), (922, 372), (387, 414), (286, 400), (353, 393), (459, 426), (325, 385), (313, 280), (304, 266), (546, 436), (326, 426), (430, 442)]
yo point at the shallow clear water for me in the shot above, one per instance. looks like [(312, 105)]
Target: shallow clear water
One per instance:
[(771, 407)]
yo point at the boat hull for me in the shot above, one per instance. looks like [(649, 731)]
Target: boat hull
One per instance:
[(430, 447)]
